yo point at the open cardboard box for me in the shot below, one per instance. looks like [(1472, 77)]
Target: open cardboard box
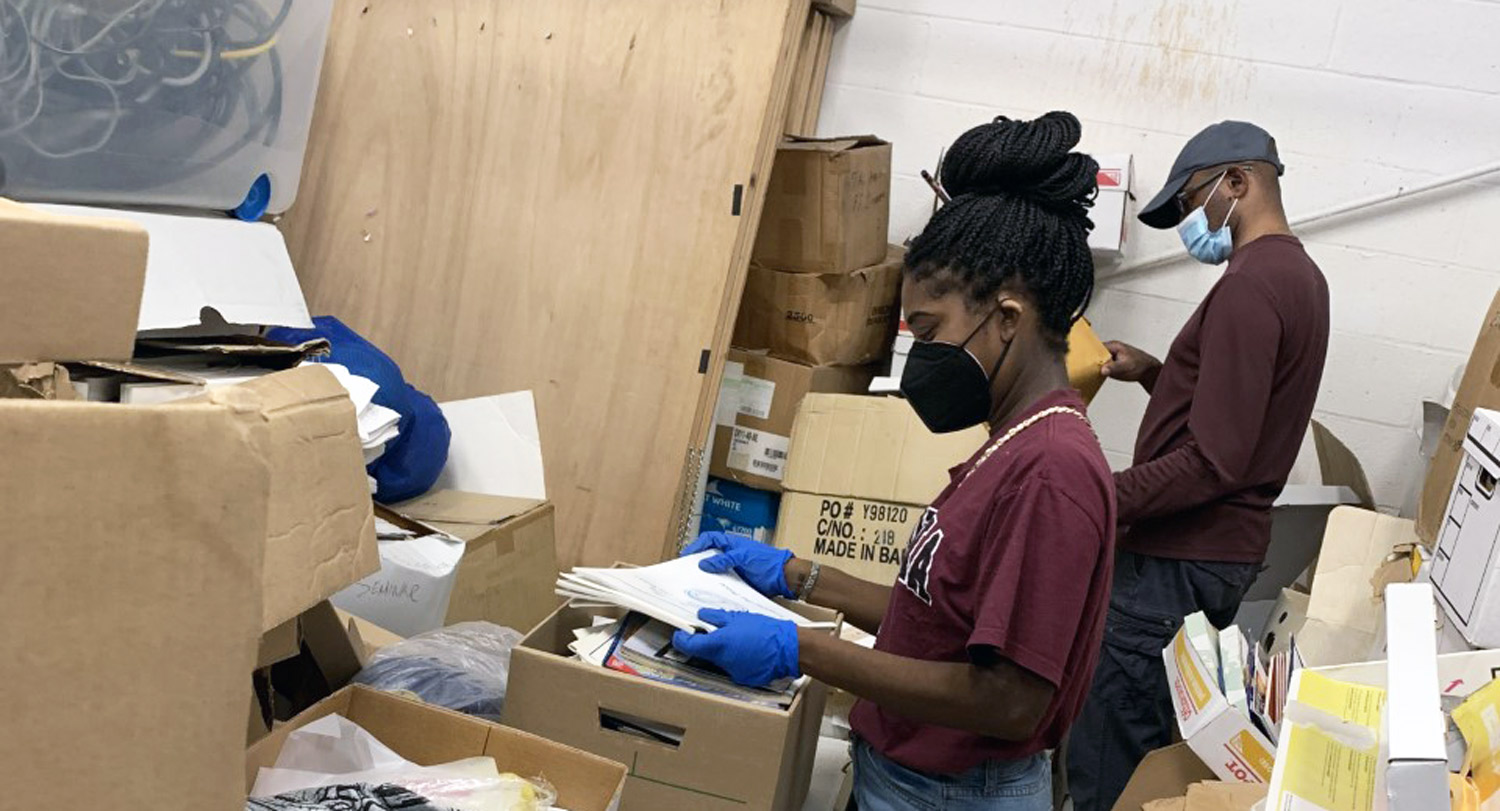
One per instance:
[(428, 735), (732, 755)]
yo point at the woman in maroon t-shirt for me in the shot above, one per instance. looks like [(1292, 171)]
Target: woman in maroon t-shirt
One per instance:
[(987, 640)]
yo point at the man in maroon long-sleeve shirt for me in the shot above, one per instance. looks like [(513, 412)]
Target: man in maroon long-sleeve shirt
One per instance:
[(1228, 411)]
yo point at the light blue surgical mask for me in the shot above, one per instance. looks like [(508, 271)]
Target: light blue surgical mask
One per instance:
[(1207, 245)]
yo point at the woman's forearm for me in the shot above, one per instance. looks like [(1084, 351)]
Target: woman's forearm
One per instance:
[(862, 602)]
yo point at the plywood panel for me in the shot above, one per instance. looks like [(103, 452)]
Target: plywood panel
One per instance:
[(510, 194)]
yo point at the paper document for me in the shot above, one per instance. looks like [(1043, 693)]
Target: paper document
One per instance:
[(1329, 755), (674, 592)]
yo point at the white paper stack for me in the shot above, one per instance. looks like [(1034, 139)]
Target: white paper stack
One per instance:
[(673, 592), (378, 425)]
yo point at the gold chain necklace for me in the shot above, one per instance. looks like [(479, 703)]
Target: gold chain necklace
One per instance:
[(1021, 426)]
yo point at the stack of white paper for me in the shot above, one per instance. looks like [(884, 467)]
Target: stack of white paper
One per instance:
[(673, 592)]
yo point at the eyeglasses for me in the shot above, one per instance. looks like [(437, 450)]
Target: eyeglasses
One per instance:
[(1184, 197)]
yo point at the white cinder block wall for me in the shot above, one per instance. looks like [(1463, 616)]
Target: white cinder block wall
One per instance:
[(1362, 95)]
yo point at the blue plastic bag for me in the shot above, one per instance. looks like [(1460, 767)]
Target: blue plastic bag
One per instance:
[(412, 461)]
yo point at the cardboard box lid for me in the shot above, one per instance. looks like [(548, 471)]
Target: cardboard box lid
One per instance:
[(840, 143), (321, 529), (72, 285), (241, 270), (465, 515), (872, 447), (1480, 388), (130, 557), (429, 735), (1162, 773), (1345, 613)]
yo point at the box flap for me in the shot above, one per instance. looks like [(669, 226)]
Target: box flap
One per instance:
[(1339, 466), (1480, 388), (241, 270), (322, 524), (455, 507), (1162, 773), (142, 371), (254, 348), (838, 143), (496, 447), (73, 285), (871, 447), (1344, 615)]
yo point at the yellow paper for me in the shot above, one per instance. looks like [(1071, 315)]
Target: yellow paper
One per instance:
[(1478, 718), (1331, 755), (1325, 771), (1356, 703)]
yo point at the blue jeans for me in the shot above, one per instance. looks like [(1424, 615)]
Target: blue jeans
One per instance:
[(881, 784)]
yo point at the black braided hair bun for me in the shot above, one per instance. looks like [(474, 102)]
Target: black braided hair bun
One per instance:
[(1020, 208)]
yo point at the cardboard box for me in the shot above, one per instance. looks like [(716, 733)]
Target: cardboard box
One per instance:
[(429, 735), (1164, 773), (1464, 565), (1288, 616), (279, 644), (828, 206), (509, 568), (130, 561), (732, 755), (1220, 735), (321, 529), (1112, 210), (731, 507), (1480, 388), (831, 318), (872, 448), (72, 285), (861, 472), (757, 404)]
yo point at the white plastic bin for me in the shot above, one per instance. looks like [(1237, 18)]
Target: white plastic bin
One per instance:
[(157, 102)]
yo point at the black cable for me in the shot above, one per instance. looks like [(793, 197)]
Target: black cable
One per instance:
[(72, 67)]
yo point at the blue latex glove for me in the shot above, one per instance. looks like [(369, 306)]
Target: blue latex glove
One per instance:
[(753, 649), (763, 567)]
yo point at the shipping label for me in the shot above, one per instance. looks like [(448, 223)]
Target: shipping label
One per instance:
[(758, 452)]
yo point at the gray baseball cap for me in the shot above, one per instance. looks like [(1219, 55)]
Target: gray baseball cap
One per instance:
[(1224, 142)]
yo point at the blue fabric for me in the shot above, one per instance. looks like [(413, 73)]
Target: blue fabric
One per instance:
[(412, 461), (881, 784), (437, 683)]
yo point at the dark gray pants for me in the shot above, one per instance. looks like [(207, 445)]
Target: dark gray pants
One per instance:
[(1129, 711)]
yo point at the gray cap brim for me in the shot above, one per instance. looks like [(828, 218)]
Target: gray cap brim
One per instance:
[(1162, 211)]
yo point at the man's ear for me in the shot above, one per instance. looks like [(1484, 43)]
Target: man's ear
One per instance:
[(1236, 181)]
